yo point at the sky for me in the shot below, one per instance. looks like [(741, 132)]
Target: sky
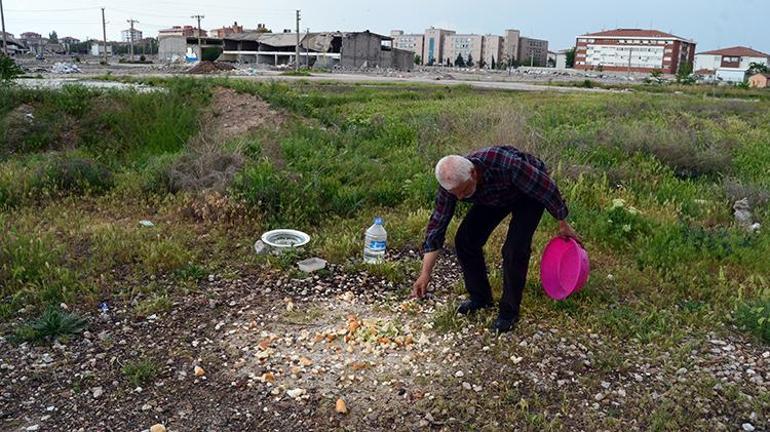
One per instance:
[(712, 24)]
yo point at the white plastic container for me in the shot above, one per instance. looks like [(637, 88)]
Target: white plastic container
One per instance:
[(375, 243)]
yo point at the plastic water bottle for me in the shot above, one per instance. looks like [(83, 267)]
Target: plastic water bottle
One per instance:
[(376, 240)]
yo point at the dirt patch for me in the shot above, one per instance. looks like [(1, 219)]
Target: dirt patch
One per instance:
[(209, 166), (209, 67), (234, 114)]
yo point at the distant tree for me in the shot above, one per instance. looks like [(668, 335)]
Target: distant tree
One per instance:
[(469, 63), (417, 59), (460, 61), (8, 69), (656, 73), (482, 64), (494, 65), (755, 68), (684, 75), (571, 57), (53, 37)]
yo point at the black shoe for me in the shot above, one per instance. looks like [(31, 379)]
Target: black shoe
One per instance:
[(503, 325), (470, 306)]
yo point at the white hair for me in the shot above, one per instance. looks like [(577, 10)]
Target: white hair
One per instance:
[(453, 170)]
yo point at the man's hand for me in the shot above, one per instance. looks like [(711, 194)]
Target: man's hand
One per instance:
[(566, 231), (420, 287)]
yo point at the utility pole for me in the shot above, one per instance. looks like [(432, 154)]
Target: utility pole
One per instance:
[(296, 63), (2, 18), (200, 47), (531, 59), (104, 36), (307, 48), (131, 37)]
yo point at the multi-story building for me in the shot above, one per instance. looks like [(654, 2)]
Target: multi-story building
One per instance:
[(409, 42), (185, 31), (131, 35), (730, 58), (633, 50), (465, 46), (511, 46), (532, 52), (493, 50), (222, 32), (433, 46)]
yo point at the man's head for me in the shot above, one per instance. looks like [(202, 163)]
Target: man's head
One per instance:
[(457, 175)]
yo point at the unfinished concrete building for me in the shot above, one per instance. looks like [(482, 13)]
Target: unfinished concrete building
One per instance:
[(327, 49)]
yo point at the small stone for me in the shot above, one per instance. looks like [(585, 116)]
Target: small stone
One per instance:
[(467, 386), (97, 391), (295, 393), (477, 388), (340, 407), (599, 397), (146, 407), (459, 374), (199, 372), (37, 427), (748, 427), (158, 428), (605, 384), (516, 360), (681, 371)]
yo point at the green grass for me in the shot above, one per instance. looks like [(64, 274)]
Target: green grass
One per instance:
[(140, 372), (650, 180)]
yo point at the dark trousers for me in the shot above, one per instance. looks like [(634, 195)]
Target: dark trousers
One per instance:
[(473, 233)]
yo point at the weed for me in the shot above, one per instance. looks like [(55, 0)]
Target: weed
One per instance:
[(140, 372), (152, 305), (446, 319), (754, 317), (52, 324)]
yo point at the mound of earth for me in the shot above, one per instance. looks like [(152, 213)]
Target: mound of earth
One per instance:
[(209, 67)]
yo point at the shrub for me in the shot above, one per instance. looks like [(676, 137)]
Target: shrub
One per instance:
[(8, 69), (73, 175)]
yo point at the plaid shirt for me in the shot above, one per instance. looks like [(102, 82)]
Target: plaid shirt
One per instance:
[(506, 174)]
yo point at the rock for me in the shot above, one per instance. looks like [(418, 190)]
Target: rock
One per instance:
[(681, 371), (516, 360), (341, 407), (748, 427), (467, 385), (158, 428), (459, 374), (295, 393), (599, 397), (97, 391), (37, 427), (199, 372)]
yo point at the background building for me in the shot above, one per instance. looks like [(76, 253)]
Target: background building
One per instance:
[(633, 50), (532, 52), (729, 58), (465, 46), (130, 35), (223, 32), (433, 47), (408, 42), (493, 50), (183, 31), (511, 46)]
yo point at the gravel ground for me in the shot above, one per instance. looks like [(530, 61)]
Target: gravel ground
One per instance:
[(277, 352)]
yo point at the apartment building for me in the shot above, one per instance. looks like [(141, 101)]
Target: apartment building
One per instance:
[(225, 31), (511, 46), (633, 50), (465, 46), (433, 46), (532, 52), (183, 31), (410, 42), (131, 35), (493, 47)]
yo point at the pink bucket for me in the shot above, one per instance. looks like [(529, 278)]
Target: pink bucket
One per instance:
[(564, 268)]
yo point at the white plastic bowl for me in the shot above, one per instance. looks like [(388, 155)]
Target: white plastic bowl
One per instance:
[(284, 239)]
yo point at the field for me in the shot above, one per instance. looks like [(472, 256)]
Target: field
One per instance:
[(98, 311)]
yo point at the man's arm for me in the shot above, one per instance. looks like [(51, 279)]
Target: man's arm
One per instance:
[(434, 239)]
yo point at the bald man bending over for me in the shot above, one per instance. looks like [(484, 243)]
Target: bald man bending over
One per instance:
[(497, 181)]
